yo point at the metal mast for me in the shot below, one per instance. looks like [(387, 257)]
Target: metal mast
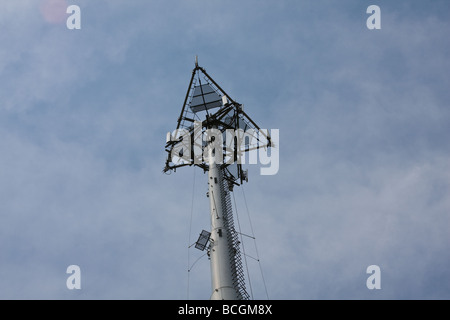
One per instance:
[(216, 142), (226, 270)]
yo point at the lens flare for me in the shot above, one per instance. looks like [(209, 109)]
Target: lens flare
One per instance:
[(54, 11)]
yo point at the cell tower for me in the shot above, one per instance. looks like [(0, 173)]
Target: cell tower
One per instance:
[(214, 133)]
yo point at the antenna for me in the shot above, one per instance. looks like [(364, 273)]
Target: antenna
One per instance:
[(214, 133)]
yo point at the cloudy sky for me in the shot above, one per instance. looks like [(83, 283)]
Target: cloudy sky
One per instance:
[(364, 120)]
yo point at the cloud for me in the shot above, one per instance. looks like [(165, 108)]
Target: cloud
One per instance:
[(363, 156)]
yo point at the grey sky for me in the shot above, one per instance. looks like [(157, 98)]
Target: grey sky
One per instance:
[(364, 122)]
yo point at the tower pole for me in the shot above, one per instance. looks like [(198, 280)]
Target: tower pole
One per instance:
[(227, 274), (221, 248)]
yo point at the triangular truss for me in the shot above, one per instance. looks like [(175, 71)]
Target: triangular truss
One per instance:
[(207, 106)]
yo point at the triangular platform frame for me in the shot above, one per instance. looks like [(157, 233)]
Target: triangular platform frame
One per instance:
[(229, 116)]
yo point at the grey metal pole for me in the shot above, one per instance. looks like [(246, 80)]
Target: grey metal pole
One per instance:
[(221, 250)]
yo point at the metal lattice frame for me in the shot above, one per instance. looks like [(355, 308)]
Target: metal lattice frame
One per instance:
[(230, 116)]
